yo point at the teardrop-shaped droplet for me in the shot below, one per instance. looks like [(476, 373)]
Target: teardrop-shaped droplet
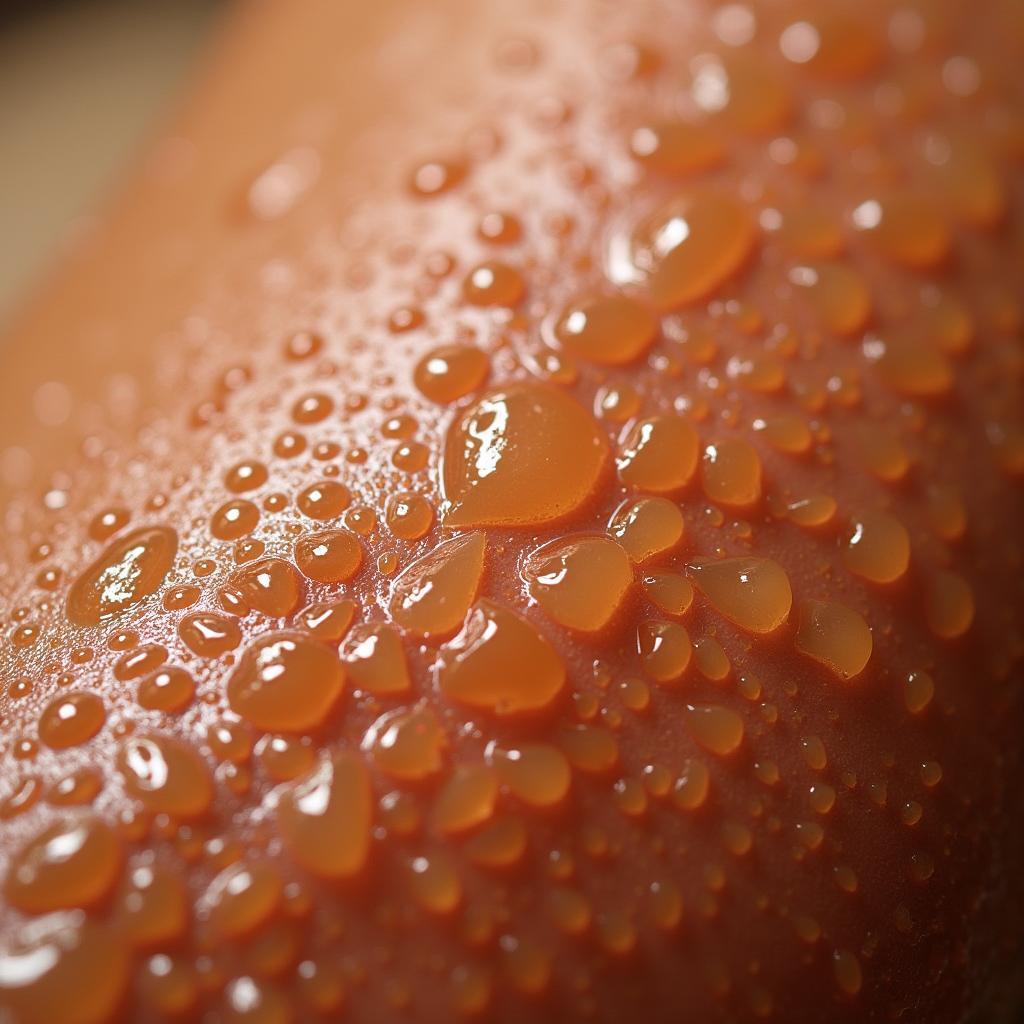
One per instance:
[(752, 592), (501, 664), (168, 776), (685, 249), (72, 864), (834, 635), (271, 586), (525, 455), (580, 582), (326, 819), (430, 598), (127, 571)]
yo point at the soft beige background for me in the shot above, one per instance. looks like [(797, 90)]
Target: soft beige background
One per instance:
[(81, 83)]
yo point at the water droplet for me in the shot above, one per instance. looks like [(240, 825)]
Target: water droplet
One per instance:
[(670, 591), (241, 899), (375, 660), (814, 753), (324, 500), (837, 295), (590, 748), (816, 511), (647, 528), (312, 408), (151, 910), (286, 682), (659, 455), (179, 598), (271, 586), (64, 969), (432, 595), (500, 228), (72, 863), (804, 230), (234, 519), (501, 664), (580, 582), (731, 473), (128, 571), (908, 230), (664, 649), (331, 556), (409, 516), (973, 183), (717, 729), (302, 345), (465, 801), (208, 634), (822, 798), (666, 904), (77, 789), (570, 910), (847, 972), (166, 775), (711, 660), (878, 548), (493, 284), (882, 452), (835, 635), (327, 622), (24, 795), (72, 719), (170, 690), (450, 372), (435, 177), (685, 249), (407, 744), (245, 476), (910, 366), (106, 523), (434, 884), (535, 773), (139, 661), (676, 147), (918, 691), (752, 592), (743, 93), (326, 819), (521, 456), (169, 985), (611, 330)]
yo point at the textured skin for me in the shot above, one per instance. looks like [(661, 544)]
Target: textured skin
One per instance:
[(159, 357)]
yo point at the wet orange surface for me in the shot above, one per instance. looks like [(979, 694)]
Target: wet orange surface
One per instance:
[(516, 516)]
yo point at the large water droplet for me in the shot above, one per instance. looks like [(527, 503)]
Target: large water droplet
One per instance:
[(72, 864), (752, 592), (501, 664), (579, 581), (325, 820), (521, 456), (286, 682), (127, 571), (431, 597), (685, 249)]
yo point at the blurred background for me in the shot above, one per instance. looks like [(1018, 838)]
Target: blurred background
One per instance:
[(82, 84)]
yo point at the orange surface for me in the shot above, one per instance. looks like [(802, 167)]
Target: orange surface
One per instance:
[(516, 516)]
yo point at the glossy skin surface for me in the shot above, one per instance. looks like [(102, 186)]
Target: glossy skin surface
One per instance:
[(531, 533)]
